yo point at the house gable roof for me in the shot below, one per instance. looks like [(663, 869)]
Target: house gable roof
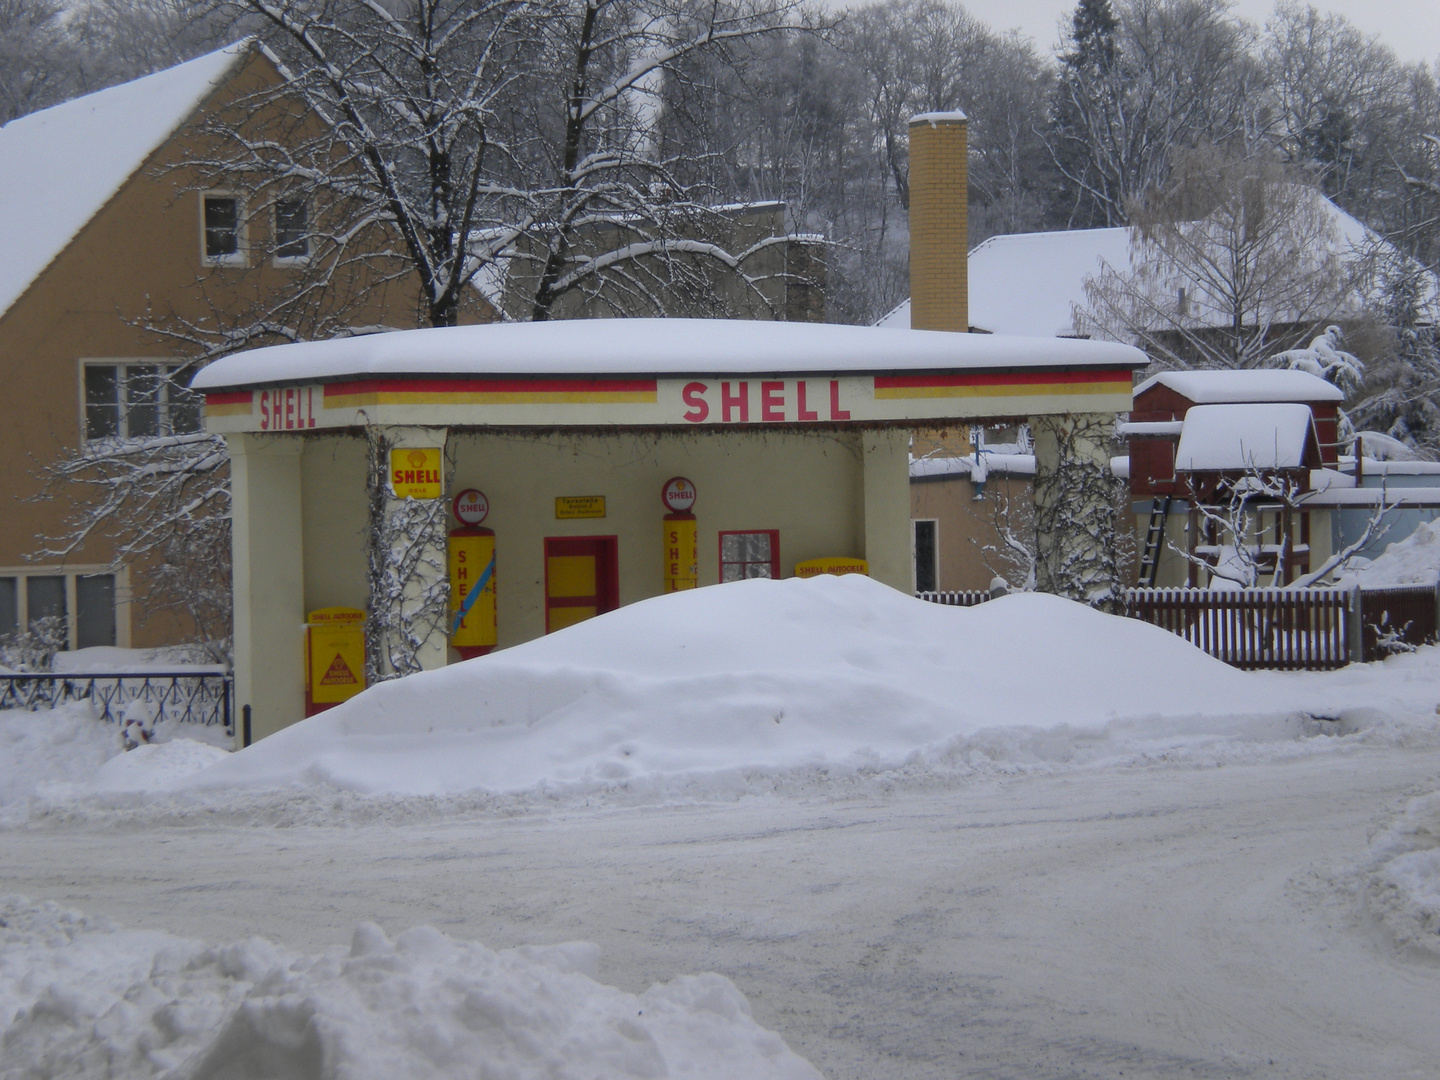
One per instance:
[(1239, 438), (59, 167), (1251, 385)]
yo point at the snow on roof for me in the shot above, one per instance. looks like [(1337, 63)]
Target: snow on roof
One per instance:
[(58, 167), (1226, 387), (1230, 438), (650, 347), (1028, 283), (937, 117)]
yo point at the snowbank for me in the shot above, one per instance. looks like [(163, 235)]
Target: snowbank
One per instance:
[(756, 677), (82, 997), (55, 754), (1412, 561), (1404, 883)]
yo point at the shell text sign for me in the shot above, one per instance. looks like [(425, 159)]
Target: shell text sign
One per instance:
[(415, 472)]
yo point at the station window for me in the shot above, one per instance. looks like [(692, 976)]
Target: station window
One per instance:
[(75, 609), (222, 229), (139, 400), (749, 555), (292, 231), (924, 533)]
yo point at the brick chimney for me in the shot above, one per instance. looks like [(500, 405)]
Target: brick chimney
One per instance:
[(939, 223)]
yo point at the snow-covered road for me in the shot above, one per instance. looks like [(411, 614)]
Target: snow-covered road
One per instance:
[(1140, 921)]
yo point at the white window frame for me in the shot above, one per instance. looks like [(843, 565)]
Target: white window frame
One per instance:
[(914, 569), (119, 363), (291, 261), (241, 257), (123, 597)]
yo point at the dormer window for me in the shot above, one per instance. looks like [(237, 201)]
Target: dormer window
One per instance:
[(222, 229), (292, 231)]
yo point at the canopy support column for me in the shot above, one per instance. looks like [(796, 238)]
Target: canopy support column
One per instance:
[(886, 496), (269, 580), (406, 626), (1076, 498)]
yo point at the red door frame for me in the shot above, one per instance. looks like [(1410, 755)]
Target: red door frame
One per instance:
[(606, 550)]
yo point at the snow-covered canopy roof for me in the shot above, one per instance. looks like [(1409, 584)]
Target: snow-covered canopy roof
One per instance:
[(1235, 438), (1220, 387), (650, 347), (58, 167)]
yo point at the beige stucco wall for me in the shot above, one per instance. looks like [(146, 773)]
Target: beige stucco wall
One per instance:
[(808, 485), (966, 526)]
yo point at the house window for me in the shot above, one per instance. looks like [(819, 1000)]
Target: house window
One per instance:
[(222, 227), (749, 555), (74, 609), (139, 400), (292, 230), (923, 541)]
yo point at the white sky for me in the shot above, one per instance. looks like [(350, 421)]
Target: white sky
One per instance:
[(1410, 27)]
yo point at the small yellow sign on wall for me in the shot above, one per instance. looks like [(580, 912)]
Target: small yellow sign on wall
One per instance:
[(579, 506), (832, 565), (415, 472)]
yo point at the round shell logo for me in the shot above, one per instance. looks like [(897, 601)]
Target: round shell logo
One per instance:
[(416, 459), (678, 494), (471, 507)]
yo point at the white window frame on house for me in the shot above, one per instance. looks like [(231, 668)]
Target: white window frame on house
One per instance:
[(772, 563), (915, 554), (71, 574), (241, 255), (124, 405), (277, 259)]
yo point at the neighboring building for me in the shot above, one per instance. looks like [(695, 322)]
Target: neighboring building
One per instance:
[(103, 226), (1195, 435)]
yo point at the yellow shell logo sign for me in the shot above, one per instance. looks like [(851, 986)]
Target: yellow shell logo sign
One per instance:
[(415, 472)]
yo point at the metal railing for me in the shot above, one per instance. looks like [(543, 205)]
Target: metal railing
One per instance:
[(184, 697)]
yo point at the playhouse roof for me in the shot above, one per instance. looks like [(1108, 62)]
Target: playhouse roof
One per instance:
[(1221, 387), (60, 166), (650, 347), (1236, 438)]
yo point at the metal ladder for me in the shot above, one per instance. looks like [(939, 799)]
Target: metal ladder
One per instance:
[(1154, 541)]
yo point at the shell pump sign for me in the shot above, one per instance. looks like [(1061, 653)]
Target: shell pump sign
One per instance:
[(334, 657)]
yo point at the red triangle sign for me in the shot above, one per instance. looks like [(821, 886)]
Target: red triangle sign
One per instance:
[(339, 674)]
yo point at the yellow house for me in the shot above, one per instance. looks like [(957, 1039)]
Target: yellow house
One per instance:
[(103, 228)]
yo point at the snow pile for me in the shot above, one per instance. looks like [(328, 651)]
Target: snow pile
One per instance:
[(81, 997), (1404, 883), (1412, 561), (99, 659), (54, 754), (757, 677)]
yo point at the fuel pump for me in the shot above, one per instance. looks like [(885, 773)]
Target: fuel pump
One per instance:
[(473, 626)]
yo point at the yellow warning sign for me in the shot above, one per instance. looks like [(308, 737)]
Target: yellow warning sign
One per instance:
[(335, 657), (415, 472), (338, 673)]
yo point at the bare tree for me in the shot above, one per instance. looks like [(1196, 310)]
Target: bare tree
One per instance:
[(1139, 80), (37, 57), (1232, 260), (506, 140)]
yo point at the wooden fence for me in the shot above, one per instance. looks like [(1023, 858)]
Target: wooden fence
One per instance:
[(956, 597), (1279, 629), (1397, 620), (1284, 629)]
